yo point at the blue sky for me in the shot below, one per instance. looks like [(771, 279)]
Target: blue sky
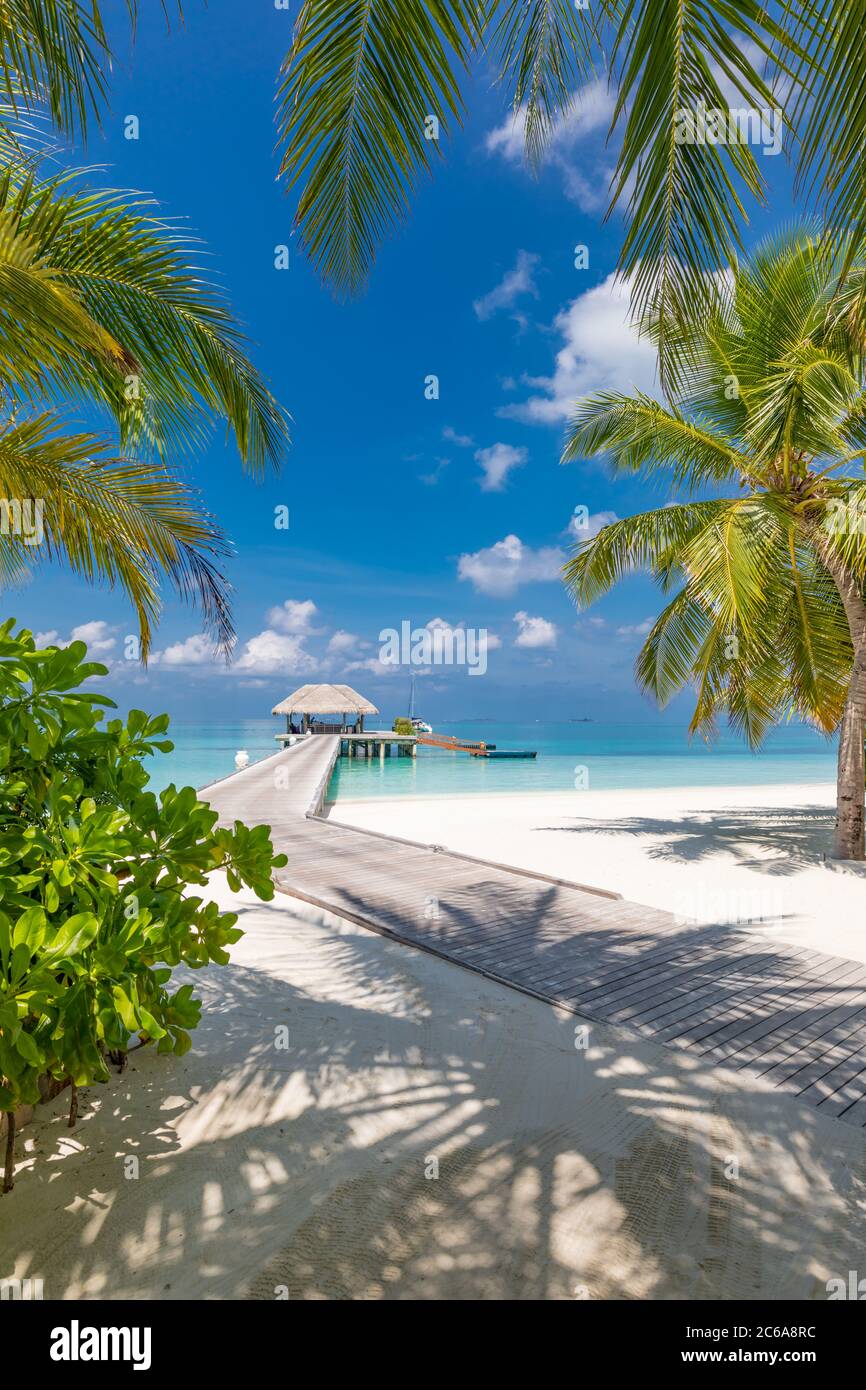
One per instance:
[(401, 507)]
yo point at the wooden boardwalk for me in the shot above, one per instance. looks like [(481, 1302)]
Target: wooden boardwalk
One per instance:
[(794, 1016)]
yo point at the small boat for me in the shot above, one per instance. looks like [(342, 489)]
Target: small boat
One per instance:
[(489, 752), (418, 725)]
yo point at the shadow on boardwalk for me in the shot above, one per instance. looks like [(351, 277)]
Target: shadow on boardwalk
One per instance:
[(622, 1170)]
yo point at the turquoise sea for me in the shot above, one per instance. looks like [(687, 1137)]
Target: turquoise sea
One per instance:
[(604, 756)]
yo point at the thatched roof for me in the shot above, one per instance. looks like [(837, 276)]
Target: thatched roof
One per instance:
[(324, 699)]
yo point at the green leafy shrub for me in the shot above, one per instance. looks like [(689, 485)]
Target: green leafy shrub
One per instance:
[(94, 873), (402, 725)]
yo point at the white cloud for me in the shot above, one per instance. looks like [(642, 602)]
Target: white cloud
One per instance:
[(197, 650), (439, 625), (46, 639), (635, 629), (379, 668), (518, 281), (272, 653), (534, 632), (97, 635), (583, 165), (294, 616), (463, 441), (601, 350), (265, 654), (499, 569), (432, 478), (342, 642), (497, 462)]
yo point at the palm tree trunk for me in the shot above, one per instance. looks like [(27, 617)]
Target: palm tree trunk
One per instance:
[(9, 1160), (848, 843), (851, 775)]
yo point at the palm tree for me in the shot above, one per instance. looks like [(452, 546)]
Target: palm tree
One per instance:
[(768, 615), (363, 78), (102, 308)]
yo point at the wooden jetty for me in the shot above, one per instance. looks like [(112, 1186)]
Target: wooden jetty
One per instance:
[(309, 711), (793, 1016), (451, 743), (475, 748)]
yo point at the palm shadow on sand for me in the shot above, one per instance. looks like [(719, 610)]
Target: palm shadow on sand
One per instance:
[(797, 837), (259, 1202)]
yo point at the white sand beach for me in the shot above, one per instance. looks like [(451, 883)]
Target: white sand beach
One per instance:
[(622, 1170), (715, 854)]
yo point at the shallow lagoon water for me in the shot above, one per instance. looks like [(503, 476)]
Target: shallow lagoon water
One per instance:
[(601, 756)]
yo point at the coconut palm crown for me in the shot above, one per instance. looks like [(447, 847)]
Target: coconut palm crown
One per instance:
[(764, 558)]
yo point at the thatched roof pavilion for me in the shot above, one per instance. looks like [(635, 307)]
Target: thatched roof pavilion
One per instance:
[(310, 700)]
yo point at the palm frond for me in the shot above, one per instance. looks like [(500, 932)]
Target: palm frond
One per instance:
[(814, 641), (826, 41), (669, 657), (642, 436), (807, 395), (684, 194), (358, 90), (56, 54), (797, 660), (730, 563), (544, 49), (110, 520), (652, 541), (100, 302), (56, 51)]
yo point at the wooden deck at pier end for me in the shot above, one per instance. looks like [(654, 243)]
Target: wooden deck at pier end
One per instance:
[(339, 710)]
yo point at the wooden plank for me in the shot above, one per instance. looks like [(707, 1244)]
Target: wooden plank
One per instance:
[(811, 1042), (798, 1020), (794, 1016)]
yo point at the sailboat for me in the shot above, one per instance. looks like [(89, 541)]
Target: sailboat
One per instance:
[(418, 725)]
